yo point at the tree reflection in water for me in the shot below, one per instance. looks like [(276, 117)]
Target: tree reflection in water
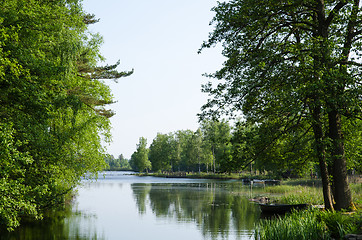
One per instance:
[(67, 225), (215, 209), (115, 206)]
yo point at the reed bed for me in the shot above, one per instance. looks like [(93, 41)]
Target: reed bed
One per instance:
[(310, 224), (298, 225)]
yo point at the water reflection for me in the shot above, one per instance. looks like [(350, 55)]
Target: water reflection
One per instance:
[(119, 206), (68, 226), (215, 210)]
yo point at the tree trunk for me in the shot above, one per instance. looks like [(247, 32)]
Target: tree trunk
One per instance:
[(213, 159), (321, 154), (327, 193), (342, 193)]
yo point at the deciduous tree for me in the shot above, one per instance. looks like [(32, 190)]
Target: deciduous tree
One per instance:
[(53, 104), (140, 156), (290, 62)]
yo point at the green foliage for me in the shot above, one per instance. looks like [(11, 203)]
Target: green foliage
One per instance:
[(356, 189), (293, 68), (161, 153), (304, 191), (216, 146), (15, 197), (53, 102), (340, 224), (353, 132), (139, 159), (302, 225), (217, 137), (193, 152), (117, 164)]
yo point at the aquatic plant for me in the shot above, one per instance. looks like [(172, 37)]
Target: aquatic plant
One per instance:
[(297, 225), (310, 224)]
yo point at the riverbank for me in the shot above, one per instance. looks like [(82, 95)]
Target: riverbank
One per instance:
[(220, 176), (286, 191), (312, 224)]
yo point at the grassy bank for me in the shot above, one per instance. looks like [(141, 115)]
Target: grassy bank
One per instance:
[(290, 191), (311, 194), (209, 175), (312, 223)]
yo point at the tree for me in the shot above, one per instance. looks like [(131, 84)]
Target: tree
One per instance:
[(193, 150), (116, 164), (184, 138), (353, 132), (243, 145), (217, 136), (160, 153), (263, 147), (15, 196), (123, 163), (293, 62), (199, 150), (140, 156), (53, 99)]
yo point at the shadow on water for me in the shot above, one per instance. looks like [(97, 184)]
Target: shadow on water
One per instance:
[(67, 225)]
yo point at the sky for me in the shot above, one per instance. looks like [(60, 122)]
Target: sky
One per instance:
[(159, 39)]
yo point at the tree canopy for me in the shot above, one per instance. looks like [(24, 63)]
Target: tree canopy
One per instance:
[(294, 64), (139, 159), (53, 104)]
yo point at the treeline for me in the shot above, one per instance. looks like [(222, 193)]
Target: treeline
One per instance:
[(217, 146), (117, 164), (53, 105)]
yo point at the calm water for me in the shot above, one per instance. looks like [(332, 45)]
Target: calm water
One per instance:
[(120, 206)]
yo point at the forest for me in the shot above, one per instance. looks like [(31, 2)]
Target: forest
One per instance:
[(220, 147)]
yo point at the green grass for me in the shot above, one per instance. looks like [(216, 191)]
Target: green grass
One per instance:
[(289, 192), (297, 225), (356, 189), (303, 182), (294, 194), (340, 223), (310, 224)]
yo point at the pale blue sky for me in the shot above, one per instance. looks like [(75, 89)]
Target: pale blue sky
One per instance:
[(159, 39)]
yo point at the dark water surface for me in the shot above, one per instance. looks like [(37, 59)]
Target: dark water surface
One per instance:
[(122, 206)]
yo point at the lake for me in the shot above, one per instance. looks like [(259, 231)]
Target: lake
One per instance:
[(122, 206)]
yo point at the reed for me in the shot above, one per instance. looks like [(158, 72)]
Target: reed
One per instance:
[(297, 225), (310, 224), (339, 223)]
